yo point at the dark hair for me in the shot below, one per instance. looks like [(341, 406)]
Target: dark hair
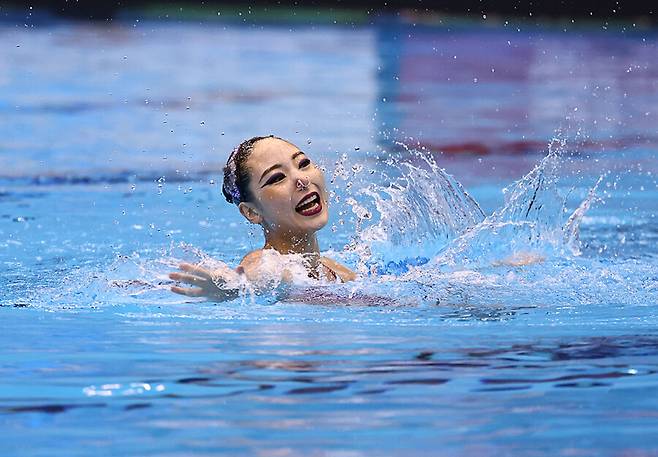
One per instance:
[(236, 174)]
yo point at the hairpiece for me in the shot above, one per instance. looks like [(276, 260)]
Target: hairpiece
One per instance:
[(231, 181)]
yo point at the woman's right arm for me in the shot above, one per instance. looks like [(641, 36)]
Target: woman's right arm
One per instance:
[(221, 283)]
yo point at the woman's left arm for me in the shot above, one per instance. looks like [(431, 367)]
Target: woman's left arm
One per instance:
[(344, 273)]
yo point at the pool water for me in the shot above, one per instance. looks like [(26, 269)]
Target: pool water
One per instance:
[(112, 139)]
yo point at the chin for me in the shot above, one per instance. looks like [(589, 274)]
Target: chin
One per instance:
[(315, 224), (321, 224)]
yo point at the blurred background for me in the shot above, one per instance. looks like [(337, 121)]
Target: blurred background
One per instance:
[(148, 88), (141, 95)]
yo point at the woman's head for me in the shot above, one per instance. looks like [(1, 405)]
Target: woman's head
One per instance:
[(276, 185)]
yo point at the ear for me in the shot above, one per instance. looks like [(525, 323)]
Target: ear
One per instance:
[(250, 213)]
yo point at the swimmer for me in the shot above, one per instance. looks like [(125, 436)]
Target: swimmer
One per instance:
[(275, 185)]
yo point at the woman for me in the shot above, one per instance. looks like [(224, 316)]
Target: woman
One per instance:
[(276, 186)]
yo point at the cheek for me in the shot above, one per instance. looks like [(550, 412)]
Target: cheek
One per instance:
[(317, 177), (275, 199), (319, 180)]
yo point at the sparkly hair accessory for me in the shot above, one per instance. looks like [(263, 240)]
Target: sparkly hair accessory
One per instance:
[(231, 179)]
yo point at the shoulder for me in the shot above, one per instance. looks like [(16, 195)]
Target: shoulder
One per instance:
[(252, 257), (264, 264), (256, 259), (251, 263), (261, 255), (344, 273)]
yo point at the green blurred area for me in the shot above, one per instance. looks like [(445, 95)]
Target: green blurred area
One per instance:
[(346, 13), (235, 13)]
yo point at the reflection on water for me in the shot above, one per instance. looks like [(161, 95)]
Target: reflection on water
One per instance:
[(444, 88), (290, 369)]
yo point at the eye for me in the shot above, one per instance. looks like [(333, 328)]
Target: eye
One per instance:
[(304, 163), (275, 178)]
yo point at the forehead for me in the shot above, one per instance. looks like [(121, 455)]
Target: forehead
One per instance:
[(270, 151)]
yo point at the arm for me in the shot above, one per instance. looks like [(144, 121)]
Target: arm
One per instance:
[(344, 273), (220, 283), (259, 274)]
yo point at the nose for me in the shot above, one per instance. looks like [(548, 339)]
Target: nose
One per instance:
[(303, 183)]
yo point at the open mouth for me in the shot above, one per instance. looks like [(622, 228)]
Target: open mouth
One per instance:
[(310, 205)]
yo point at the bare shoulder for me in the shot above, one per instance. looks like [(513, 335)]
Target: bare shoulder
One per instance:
[(344, 273), (264, 265), (250, 264), (252, 258)]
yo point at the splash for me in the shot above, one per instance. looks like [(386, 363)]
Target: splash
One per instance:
[(425, 215), (423, 208), (533, 224), (526, 253)]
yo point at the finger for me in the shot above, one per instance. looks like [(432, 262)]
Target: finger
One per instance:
[(187, 291), (189, 279), (195, 269)]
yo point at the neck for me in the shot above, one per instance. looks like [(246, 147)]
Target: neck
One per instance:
[(306, 243)]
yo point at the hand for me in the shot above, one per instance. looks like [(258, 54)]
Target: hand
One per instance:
[(222, 283)]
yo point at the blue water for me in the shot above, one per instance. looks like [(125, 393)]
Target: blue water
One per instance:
[(447, 159)]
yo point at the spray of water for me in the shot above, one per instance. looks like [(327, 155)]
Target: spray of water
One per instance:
[(526, 253), (422, 208), (419, 237)]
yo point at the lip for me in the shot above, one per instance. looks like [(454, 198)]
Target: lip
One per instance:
[(310, 212)]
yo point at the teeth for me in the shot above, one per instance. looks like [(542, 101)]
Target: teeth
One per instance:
[(312, 208), (307, 200)]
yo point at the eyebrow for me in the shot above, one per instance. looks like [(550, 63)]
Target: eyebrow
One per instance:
[(278, 165)]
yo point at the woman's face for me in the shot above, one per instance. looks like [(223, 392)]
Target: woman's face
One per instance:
[(289, 190)]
